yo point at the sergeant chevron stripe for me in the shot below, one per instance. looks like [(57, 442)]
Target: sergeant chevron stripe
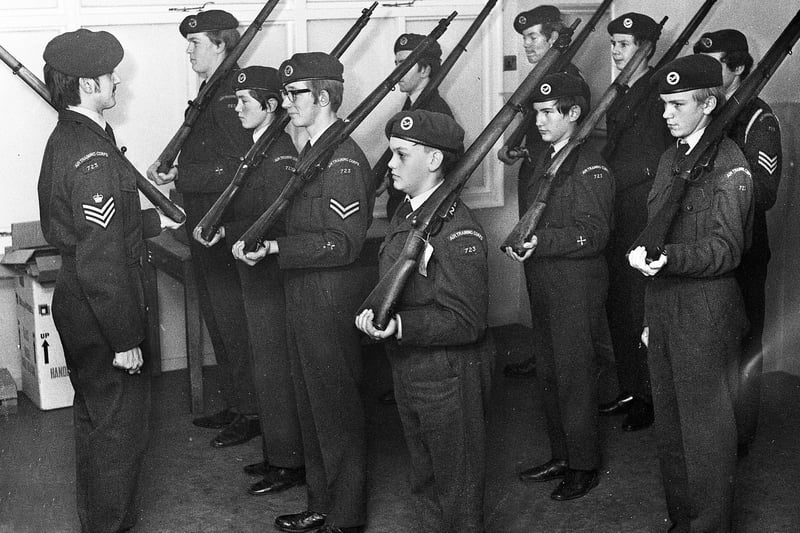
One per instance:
[(100, 215), (344, 211), (770, 164)]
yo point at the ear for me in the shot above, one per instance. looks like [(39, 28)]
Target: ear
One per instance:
[(553, 38), (435, 160), (738, 70), (425, 71), (220, 47), (324, 98), (272, 104), (574, 113), (709, 105), (87, 85)]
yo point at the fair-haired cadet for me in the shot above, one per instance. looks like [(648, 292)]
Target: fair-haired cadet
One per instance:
[(437, 341), (694, 314), (89, 208)]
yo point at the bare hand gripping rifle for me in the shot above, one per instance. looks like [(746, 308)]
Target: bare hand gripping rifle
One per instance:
[(313, 160), (381, 168), (210, 222), (514, 141), (147, 188), (428, 219), (209, 90), (627, 120), (527, 224), (702, 156)]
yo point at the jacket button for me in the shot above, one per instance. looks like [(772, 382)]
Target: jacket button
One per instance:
[(689, 208)]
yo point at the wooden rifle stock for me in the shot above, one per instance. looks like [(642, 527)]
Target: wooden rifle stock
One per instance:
[(514, 141), (210, 222), (672, 52), (383, 298), (702, 156), (317, 156), (147, 188), (525, 227), (209, 90), (381, 168)]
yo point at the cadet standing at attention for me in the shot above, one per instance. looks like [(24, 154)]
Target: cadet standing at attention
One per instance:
[(568, 276), (208, 161), (758, 135), (440, 355), (539, 29), (89, 209), (694, 315), (326, 225), (258, 92), (639, 136)]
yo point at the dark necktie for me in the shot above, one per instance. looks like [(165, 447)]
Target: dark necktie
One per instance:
[(548, 155), (403, 211), (110, 132)]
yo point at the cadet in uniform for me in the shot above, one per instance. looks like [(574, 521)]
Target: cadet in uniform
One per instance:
[(440, 355), (568, 278), (89, 208), (640, 137), (258, 91), (757, 134), (326, 226), (539, 29), (693, 307), (208, 161)]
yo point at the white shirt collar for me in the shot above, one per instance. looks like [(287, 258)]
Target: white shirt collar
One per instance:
[(94, 115), (314, 139), (559, 145), (419, 199), (693, 138), (259, 131)]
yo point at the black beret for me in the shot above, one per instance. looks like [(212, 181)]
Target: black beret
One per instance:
[(429, 128), (258, 78), (560, 85), (311, 66), (721, 41), (409, 41), (689, 72), (537, 15), (636, 24), (84, 53), (212, 20)]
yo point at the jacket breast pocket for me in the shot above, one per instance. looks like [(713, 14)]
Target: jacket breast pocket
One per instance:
[(559, 206), (695, 214)]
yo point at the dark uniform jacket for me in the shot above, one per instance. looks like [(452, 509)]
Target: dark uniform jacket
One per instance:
[(213, 150), (90, 211), (435, 103), (327, 221)]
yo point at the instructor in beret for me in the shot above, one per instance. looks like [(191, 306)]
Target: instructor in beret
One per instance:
[(89, 208)]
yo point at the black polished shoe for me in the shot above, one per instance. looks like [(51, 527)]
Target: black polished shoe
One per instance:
[(216, 421), (640, 416), (387, 398), (278, 479), (520, 369), (305, 521), (576, 483), (552, 469), (242, 429), (619, 406), (257, 469)]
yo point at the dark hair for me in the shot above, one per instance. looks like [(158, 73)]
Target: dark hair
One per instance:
[(738, 58), (64, 90), (334, 88), (431, 62), (263, 97), (229, 37), (639, 39), (565, 103), (550, 26)]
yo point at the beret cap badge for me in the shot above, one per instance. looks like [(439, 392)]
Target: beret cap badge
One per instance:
[(545, 89), (673, 78), (522, 20), (192, 22), (242, 77), (627, 23), (706, 42), (406, 123), (288, 71), (403, 41)]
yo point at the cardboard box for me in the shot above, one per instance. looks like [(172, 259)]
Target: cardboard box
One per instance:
[(8, 393), (45, 378), (27, 235)]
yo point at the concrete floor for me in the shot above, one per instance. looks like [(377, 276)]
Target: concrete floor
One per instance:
[(189, 487)]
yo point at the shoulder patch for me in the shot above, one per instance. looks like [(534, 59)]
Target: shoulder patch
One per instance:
[(92, 165), (597, 172), (463, 233), (734, 171)]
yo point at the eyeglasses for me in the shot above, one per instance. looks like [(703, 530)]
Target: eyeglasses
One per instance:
[(291, 94)]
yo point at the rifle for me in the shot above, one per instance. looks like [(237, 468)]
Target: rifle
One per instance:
[(381, 168), (435, 210), (514, 140), (143, 184), (210, 222), (701, 158), (314, 159), (672, 52), (209, 90), (527, 224)]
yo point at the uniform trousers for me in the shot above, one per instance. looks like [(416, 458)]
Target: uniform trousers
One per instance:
[(220, 294), (111, 412), (569, 322), (696, 327), (442, 395), (325, 353), (265, 307)]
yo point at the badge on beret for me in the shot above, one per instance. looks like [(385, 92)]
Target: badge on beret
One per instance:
[(406, 123), (673, 78), (403, 40), (627, 23), (242, 77), (192, 22), (522, 20), (706, 42), (545, 89), (287, 72)]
